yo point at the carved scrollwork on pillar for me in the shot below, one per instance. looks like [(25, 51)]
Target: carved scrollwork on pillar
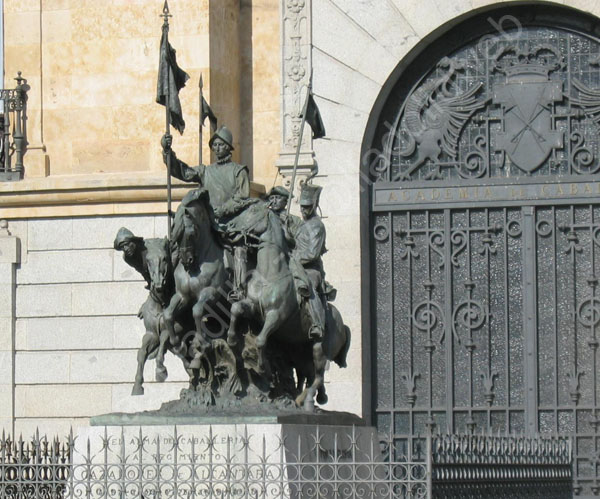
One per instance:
[(296, 62)]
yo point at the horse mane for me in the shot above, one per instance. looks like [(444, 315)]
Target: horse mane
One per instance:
[(276, 225), (160, 245), (195, 197)]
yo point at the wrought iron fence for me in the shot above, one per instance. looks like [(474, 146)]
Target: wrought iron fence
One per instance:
[(474, 466), (13, 130), (222, 465), (217, 465)]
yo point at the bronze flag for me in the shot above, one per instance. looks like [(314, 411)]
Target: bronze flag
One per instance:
[(171, 79)]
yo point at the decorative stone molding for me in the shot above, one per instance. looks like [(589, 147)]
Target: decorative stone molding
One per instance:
[(296, 64), (104, 194)]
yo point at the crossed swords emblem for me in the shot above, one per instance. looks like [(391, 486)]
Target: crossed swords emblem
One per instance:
[(528, 122)]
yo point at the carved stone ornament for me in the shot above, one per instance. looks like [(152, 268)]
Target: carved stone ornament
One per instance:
[(296, 59)]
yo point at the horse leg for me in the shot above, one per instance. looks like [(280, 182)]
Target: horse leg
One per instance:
[(149, 343), (175, 305), (272, 322), (243, 308), (301, 379), (307, 382), (322, 397), (160, 372), (206, 296), (320, 361)]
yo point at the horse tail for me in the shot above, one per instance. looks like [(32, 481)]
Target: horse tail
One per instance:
[(340, 358)]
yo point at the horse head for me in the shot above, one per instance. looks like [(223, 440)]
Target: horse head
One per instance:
[(158, 260), (260, 223), (188, 245)]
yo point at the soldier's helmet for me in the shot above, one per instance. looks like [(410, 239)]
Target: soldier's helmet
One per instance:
[(124, 236), (279, 190), (309, 196), (224, 134)]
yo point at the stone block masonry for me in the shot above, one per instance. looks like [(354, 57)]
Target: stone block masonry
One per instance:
[(69, 333)]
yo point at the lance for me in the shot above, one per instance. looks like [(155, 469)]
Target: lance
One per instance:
[(165, 27), (200, 85), (304, 108)]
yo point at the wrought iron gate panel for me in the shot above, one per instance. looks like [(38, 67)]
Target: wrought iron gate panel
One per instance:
[(449, 298), (568, 315), (485, 244)]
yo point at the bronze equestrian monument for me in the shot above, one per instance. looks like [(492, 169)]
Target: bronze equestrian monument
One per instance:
[(261, 344), (237, 292)]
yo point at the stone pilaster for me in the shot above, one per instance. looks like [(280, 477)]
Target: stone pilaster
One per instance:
[(9, 258), (296, 62)]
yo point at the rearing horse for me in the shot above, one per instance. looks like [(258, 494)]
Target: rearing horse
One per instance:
[(271, 298), (155, 341), (200, 274)]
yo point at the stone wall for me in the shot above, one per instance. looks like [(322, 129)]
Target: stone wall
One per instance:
[(76, 329), (92, 68)]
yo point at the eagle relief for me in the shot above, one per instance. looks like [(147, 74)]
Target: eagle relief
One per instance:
[(435, 117)]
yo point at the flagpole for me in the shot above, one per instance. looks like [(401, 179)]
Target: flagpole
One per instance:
[(165, 28), (201, 84), (289, 204)]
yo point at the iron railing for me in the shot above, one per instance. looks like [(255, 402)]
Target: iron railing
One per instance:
[(13, 130), (137, 465), (474, 466)]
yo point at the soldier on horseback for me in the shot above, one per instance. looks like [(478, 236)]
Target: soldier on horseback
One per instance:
[(229, 190), (306, 237)]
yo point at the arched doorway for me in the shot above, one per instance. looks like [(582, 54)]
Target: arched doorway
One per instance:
[(482, 232)]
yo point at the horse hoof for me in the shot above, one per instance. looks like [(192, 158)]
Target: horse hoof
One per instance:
[(137, 390), (161, 374), (232, 341), (322, 398)]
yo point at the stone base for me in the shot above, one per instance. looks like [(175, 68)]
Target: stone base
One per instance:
[(159, 418), (225, 458)]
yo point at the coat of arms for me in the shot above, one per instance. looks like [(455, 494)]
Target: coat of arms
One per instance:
[(526, 98)]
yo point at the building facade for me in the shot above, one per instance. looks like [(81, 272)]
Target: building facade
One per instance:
[(460, 196)]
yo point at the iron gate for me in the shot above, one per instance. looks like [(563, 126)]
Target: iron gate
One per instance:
[(485, 245)]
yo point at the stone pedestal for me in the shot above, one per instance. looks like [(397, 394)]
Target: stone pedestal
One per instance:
[(247, 457)]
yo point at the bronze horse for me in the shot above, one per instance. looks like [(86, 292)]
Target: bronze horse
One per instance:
[(271, 298), (155, 340), (200, 276)]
